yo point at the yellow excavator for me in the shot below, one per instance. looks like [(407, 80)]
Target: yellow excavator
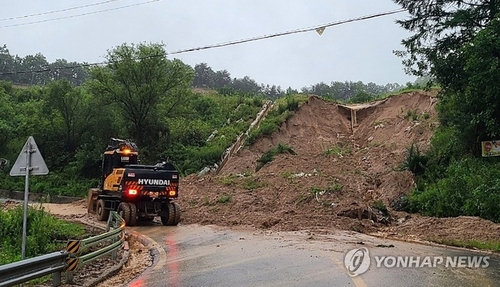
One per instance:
[(137, 192)]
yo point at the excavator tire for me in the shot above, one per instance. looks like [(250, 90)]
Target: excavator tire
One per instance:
[(169, 219), (133, 214), (101, 211), (174, 215), (177, 211), (92, 200), (124, 212)]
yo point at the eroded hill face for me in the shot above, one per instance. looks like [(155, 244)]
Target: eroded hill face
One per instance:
[(338, 174)]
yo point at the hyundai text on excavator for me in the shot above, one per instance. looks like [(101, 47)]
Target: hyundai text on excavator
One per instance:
[(137, 192)]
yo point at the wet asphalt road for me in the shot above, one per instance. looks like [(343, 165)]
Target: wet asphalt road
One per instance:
[(195, 255)]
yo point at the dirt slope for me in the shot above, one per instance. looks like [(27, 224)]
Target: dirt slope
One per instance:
[(335, 179)]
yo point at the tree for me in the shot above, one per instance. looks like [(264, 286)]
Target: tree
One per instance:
[(362, 97), (454, 43), (471, 102), (75, 107), (140, 79), (6, 63), (71, 71), (7, 122), (246, 85), (222, 79), (204, 76), (34, 64), (440, 29)]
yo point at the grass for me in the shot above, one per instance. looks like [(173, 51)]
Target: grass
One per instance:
[(45, 233), (412, 115), (303, 198), (378, 204), (270, 154), (415, 115), (284, 108), (339, 150), (206, 201), (380, 122), (193, 202), (228, 180), (376, 144), (335, 187), (225, 198), (251, 183), (483, 245)]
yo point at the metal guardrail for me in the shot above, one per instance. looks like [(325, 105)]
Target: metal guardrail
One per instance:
[(69, 260), (28, 269)]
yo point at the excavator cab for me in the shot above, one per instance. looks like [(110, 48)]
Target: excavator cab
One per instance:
[(118, 154)]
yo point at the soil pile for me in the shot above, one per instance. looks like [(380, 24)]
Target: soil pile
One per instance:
[(339, 175)]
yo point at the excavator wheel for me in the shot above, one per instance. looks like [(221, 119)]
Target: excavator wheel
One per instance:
[(177, 217), (124, 211), (102, 212), (133, 214), (174, 215), (92, 200)]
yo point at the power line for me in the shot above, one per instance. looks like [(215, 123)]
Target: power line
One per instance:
[(315, 28), (79, 15), (58, 11), (301, 30)]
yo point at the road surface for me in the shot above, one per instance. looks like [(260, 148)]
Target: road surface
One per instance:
[(196, 255)]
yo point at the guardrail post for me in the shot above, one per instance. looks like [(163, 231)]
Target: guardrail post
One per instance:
[(73, 248), (110, 219), (56, 279), (114, 255), (69, 277)]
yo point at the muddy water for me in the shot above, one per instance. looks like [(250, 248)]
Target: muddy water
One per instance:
[(195, 255)]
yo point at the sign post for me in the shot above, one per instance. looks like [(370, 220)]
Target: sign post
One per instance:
[(29, 161)]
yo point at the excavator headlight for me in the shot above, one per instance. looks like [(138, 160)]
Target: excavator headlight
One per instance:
[(172, 193)]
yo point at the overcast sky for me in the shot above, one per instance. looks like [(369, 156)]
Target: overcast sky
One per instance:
[(357, 51)]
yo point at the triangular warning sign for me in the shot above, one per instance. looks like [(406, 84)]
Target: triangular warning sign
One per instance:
[(320, 30), (36, 164)]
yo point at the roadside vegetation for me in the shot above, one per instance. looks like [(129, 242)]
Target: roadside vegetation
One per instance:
[(452, 176), (45, 233)]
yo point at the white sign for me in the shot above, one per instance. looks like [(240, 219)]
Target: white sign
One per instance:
[(35, 163)]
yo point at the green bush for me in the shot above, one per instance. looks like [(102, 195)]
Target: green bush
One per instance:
[(469, 186), (415, 161), (44, 233), (362, 97), (284, 109), (55, 183)]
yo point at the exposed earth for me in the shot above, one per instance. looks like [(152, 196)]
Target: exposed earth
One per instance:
[(339, 176)]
